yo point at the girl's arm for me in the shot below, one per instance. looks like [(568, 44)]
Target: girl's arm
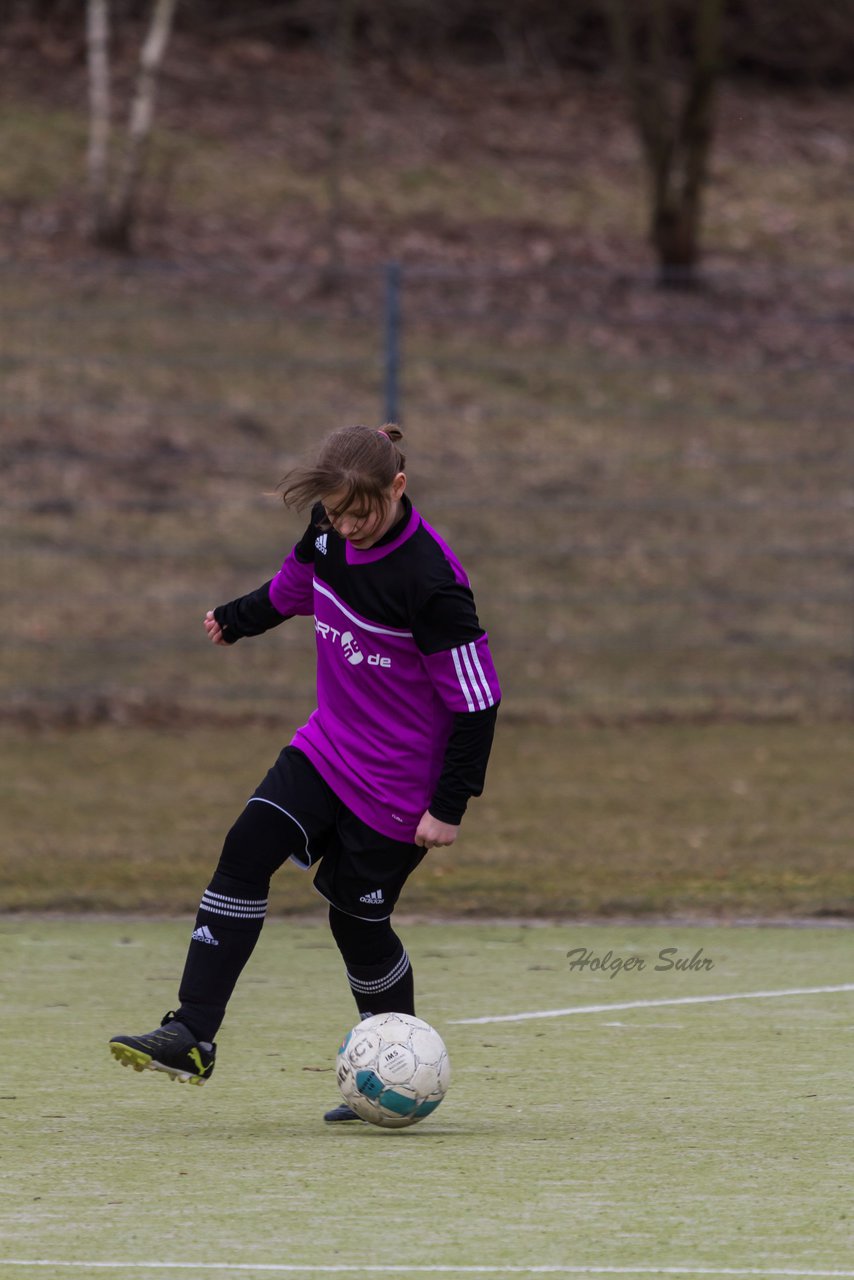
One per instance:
[(455, 651), (289, 593), (249, 615), (463, 775)]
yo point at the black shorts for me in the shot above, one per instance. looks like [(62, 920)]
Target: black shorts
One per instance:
[(359, 870)]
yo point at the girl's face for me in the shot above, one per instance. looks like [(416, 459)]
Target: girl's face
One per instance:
[(362, 528)]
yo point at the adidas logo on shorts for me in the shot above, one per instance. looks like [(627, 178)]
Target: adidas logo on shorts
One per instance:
[(374, 898)]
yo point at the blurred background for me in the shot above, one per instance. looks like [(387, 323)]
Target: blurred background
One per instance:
[(596, 256)]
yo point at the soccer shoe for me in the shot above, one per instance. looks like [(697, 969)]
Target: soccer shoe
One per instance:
[(338, 1114), (171, 1048)]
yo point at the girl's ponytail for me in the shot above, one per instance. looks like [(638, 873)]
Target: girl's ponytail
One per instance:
[(358, 462)]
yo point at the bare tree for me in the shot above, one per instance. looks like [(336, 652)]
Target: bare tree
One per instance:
[(97, 159), (675, 122), (113, 202)]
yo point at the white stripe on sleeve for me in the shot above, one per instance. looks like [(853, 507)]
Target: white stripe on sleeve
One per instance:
[(489, 695), (455, 654), (467, 659)]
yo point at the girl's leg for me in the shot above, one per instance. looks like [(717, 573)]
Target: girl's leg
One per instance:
[(231, 914), (378, 967)]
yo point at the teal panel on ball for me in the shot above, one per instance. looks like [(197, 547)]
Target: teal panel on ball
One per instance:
[(369, 1084), (427, 1107), (397, 1103), (345, 1042)]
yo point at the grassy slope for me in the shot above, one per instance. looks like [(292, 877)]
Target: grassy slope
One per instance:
[(639, 540), (547, 162)]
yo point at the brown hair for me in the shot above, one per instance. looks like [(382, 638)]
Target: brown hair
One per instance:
[(360, 461)]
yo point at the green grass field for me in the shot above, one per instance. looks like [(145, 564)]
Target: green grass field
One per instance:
[(697, 1138)]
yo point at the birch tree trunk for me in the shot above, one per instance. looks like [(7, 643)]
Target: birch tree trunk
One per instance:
[(675, 127), (114, 208), (98, 154)]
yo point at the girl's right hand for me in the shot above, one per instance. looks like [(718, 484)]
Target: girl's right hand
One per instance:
[(213, 628)]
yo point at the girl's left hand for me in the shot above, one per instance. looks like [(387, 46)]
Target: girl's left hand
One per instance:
[(433, 834), (213, 628)]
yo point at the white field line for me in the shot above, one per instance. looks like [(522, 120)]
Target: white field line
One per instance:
[(654, 1004), (402, 1269)]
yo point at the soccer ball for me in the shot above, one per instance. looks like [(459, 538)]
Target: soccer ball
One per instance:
[(393, 1069)]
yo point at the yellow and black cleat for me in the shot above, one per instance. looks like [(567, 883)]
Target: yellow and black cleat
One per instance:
[(172, 1048)]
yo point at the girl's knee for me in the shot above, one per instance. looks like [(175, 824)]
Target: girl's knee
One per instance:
[(362, 941), (261, 839)]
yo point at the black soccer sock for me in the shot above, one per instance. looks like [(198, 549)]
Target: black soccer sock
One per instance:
[(383, 988), (378, 968), (228, 925)]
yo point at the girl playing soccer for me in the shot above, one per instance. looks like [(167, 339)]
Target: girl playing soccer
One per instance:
[(407, 698)]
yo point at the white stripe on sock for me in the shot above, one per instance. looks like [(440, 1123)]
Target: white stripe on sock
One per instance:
[(248, 902), (235, 908), (374, 986)]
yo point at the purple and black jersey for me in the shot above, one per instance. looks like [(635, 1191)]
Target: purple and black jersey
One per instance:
[(406, 686)]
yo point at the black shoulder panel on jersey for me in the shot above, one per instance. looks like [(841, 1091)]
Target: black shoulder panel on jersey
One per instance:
[(413, 587), (446, 619)]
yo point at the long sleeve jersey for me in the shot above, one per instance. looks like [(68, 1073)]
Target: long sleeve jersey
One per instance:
[(407, 691)]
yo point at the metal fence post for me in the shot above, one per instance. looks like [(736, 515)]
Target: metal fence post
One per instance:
[(392, 325)]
